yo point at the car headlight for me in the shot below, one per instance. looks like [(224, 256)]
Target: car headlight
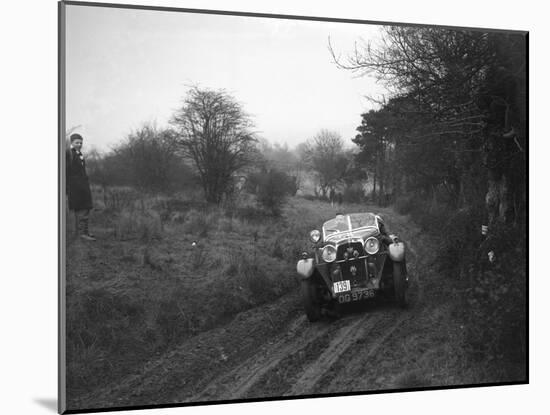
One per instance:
[(315, 236), (372, 245), (329, 253)]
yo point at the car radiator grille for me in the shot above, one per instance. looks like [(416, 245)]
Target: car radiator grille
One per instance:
[(355, 270), (349, 248)]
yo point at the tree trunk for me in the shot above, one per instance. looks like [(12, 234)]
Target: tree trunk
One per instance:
[(381, 188), (374, 186), (498, 198)]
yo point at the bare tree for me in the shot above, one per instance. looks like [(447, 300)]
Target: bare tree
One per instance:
[(324, 153), (216, 134)]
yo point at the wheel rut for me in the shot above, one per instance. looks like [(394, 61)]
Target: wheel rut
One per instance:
[(289, 357)]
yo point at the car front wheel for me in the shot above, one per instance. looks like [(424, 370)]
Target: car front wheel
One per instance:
[(400, 284), (310, 299)]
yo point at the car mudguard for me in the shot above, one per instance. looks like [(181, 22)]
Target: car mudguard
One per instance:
[(305, 268), (397, 251)]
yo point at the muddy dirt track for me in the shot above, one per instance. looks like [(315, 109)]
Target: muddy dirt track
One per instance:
[(272, 350)]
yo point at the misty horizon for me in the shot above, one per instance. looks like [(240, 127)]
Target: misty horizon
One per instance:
[(126, 68)]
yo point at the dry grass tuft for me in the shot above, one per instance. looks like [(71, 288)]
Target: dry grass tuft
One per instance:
[(132, 224)]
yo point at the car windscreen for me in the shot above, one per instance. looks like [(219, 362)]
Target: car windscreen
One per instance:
[(360, 220), (343, 223)]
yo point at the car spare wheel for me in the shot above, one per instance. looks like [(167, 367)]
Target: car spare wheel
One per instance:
[(400, 284), (311, 300)]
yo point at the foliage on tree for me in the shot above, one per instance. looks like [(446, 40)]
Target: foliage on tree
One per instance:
[(272, 187), (214, 132), (449, 147), (455, 124)]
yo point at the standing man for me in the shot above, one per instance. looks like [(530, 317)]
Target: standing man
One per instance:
[(78, 187)]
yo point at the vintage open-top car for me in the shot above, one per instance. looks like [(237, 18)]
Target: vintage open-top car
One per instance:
[(353, 258)]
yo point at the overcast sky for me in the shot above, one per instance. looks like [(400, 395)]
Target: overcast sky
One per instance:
[(127, 67)]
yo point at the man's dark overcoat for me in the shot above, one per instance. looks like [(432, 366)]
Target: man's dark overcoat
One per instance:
[(78, 186)]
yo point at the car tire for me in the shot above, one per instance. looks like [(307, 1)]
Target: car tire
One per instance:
[(400, 284), (310, 299)]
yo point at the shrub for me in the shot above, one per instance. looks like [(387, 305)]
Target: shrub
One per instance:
[(459, 238), (256, 281), (197, 257), (430, 215), (232, 268), (309, 197), (295, 246), (120, 197), (353, 194), (277, 251), (492, 300), (226, 224), (132, 224), (177, 217), (272, 188), (173, 321), (181, 203), (496, 300), (145, 160), (199, 223), (404, 204), (250, 213), (93, 323)]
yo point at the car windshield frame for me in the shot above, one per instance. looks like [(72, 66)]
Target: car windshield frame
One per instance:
[(342, 224)]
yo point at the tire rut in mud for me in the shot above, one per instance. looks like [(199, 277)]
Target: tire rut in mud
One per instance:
[(353, 366), (295, 365), (236, 383), (338, 346), (308, 358)]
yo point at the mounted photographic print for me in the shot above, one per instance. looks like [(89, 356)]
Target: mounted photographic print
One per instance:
[(259, 207)]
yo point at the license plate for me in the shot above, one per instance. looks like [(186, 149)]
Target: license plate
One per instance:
[(342, 286), (356, 296)]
